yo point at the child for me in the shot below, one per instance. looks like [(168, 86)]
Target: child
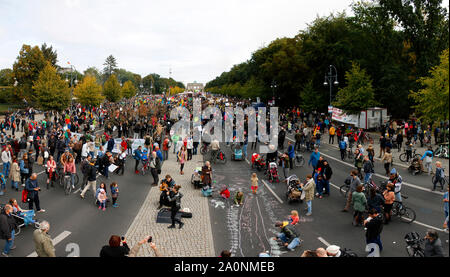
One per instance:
[(207, 191), (293, 218), (239, 198), (225, 193), (254, 180), (102, 199), (114, 193)]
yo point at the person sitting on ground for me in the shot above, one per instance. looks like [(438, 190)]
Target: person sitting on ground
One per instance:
[(166, 185), (293, 218), (225, 193), (287, 235), (239, 198)]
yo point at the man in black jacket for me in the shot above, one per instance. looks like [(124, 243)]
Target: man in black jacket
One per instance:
[(433, 245), (326, 173), (374, 226), (91, 178), (288, 235), (7, 229)]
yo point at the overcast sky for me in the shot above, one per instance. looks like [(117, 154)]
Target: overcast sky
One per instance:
[(197, 39)]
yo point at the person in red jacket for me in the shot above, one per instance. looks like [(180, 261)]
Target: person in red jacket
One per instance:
[(225, 193), (123, 144)]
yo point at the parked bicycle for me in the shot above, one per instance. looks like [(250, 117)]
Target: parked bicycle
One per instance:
[(403, 156), (442, 151), (414, 245)]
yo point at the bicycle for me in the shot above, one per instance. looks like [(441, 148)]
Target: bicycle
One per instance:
[(204, 149), (221, 157), (68, 186), (442, 151), (403, 156), (299, 160), (405, 214), (413, 245)]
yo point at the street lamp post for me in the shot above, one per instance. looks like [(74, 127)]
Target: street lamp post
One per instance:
[(71, 84), (273, 86), (329, 78)]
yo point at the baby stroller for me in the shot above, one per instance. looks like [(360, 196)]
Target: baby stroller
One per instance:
[(196, 179), (273, 173), (415, 166), (258, 162), (23, 219), (294, 190)]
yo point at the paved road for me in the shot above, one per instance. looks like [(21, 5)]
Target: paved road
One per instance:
[(327, 225)]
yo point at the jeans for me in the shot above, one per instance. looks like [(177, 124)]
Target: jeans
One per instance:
[(6, 167), (331, 139), (165, 154), (244, 150), (428, 166), (309, 204), (398, 197), (14, 184), (319, 187), (9, 243), (441, 182), (294, 243), (102, 204), (318, 142), (367, 177), (326, 186)]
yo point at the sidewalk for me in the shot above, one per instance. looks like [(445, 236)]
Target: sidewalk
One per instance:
[(195, 238)]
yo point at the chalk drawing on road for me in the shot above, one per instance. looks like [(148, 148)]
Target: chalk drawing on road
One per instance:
[(218, 203)]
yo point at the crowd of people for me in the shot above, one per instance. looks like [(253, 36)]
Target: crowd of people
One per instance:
[(100, 139)]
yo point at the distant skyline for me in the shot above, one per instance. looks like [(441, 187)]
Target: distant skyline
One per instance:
[(197, 39)]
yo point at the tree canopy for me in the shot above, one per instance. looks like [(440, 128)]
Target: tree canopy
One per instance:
[(51, 92), (89, 92), (112, 89)]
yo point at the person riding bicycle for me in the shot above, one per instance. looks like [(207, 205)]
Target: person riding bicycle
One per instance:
[(215, 148), (69, 168), (396, 179), (65, 157)]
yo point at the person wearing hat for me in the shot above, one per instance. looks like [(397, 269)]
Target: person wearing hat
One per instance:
[(287, 235), (333, 251), (396, 180)]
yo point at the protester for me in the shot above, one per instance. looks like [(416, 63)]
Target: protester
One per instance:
[(7, 229)]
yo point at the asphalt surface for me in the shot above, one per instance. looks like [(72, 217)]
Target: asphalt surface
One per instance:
[(89, 227), (327, 225)]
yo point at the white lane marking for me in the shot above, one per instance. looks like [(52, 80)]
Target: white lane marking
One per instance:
[(323, 241), (55, 241), (274, 194), (40, 172)]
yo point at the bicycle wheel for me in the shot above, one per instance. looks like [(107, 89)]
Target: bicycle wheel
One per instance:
[(402, 157), (67, 185), (203, 150), (344, 190), (407, 215)]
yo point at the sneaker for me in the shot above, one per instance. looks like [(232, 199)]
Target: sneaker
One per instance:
[(104, 209), (181, 225), (13, 247), (99, 207), (171, 226), (308, 214), (4, 254), (23, 185), (41, 211)]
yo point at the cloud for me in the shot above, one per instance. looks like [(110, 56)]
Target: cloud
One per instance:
[(198, 39)]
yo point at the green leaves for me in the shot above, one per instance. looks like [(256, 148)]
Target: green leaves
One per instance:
[(89, 92), (128, 90), (112, 89), (433, 99), (358, 94), (51, 92)]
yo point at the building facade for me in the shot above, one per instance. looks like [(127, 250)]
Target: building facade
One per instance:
[(195, 87)]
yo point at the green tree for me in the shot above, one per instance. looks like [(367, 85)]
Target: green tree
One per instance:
[(94, 72), (310, 99), (52, 93), (433, 99), (6, 77), (110, 66), (89, 92), (128, 90), (26, 70), (50, 54), (358, 95), (112, 89)]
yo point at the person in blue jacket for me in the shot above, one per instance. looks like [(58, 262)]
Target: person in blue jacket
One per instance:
[(291, 153), (428, 156), (137, 156), (314, 159), (342, 148)]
